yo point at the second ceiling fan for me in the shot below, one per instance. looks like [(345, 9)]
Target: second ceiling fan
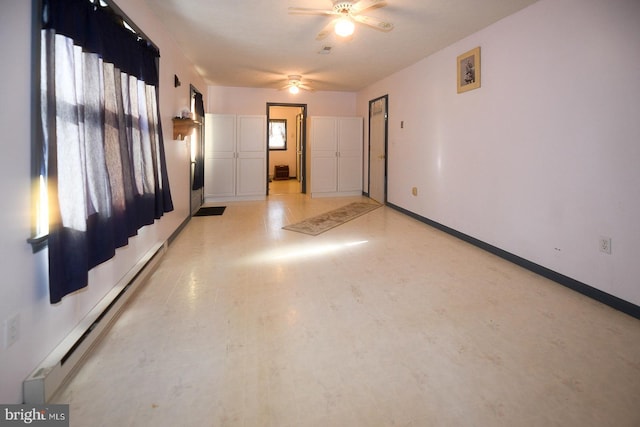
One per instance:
[(295, 84), (347, 14)]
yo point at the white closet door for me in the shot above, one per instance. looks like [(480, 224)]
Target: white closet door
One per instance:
[(336, 156), (324, 172), (324, 155), (251, 172), (324, 134), (220, 161), (251, 175), (349, 154)]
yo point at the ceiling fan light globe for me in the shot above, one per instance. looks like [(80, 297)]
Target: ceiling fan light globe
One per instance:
[(344, 27), (294, 89)]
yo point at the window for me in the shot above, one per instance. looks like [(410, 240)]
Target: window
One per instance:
[(100, 160), (277, 134)]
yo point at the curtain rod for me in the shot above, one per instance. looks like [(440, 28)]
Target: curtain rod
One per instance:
[(121, 16)]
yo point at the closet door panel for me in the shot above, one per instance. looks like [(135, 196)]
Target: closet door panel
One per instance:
[(251, 159), (220, 179), (219, 153), (252, 134), (349, 173), (324, 134), (350, 135), (220, 133), (324, 170), (251, 176)]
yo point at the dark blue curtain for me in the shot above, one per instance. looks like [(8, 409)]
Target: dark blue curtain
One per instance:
[(104, 154)]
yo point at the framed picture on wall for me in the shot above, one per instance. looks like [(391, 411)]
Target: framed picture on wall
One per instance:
[(469, 70)]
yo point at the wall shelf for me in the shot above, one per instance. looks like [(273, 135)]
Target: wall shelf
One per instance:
[(182, 127)]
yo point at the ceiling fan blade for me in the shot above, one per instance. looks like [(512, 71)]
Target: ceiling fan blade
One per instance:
[(310, 11), (328, 29), (307, 88), (376, 23), (367, 4)]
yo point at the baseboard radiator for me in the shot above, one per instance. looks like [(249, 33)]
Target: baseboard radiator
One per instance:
[(47, 378)]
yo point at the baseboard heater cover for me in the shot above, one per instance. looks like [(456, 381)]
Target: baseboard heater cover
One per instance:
[(45, 380)]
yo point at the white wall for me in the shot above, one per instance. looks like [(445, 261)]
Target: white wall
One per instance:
[(237, 100), (24, 287), (544, 158)]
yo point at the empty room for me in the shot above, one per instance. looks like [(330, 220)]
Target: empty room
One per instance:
[(320, 213)]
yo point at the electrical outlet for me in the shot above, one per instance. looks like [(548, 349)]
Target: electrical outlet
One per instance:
[(11, 330), (605, 245)]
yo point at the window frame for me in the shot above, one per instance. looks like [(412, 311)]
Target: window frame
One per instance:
[(39, 235), (280, 123)]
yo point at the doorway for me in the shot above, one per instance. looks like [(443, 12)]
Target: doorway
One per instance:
[(197, 151), (378, 133), (286, 148)]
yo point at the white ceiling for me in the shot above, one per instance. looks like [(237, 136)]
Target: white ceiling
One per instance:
[(257, 43)]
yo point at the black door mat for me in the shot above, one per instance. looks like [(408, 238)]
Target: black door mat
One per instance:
[(210, 211)]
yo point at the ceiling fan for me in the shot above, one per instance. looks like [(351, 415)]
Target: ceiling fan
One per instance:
[(295, 84), (347, 14)]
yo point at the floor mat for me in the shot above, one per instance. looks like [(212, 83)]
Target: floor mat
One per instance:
[(210, 211)]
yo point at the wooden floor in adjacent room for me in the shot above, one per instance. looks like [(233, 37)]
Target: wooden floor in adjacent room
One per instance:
[(285, 186)]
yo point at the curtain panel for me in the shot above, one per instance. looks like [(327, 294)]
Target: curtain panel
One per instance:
[(103, 152)]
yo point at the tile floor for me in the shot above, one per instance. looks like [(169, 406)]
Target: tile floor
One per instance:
[(382, 321)]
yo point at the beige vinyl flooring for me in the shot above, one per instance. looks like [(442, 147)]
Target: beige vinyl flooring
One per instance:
[(383, 321)]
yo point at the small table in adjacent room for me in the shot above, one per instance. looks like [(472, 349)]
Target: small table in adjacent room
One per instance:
[(281, 172)]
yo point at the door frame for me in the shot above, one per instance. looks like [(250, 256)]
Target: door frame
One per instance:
[(200, 149), (303, 143), (386, 144)]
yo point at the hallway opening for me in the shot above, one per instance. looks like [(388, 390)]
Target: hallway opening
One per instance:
[(286, 148)]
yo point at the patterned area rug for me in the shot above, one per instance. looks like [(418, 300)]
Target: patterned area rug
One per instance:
[(328, 220)]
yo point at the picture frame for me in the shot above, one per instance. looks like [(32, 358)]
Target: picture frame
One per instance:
[(277, 134), (468, 70)]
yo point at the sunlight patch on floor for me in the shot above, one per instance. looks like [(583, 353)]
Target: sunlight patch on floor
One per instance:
[(296, 252)]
